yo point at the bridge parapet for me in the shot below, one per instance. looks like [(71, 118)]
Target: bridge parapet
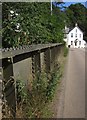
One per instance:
[(24, 63)]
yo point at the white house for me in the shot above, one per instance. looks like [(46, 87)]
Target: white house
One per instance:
[(74, 37)]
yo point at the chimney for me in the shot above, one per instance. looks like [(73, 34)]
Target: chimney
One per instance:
[(76, 25)]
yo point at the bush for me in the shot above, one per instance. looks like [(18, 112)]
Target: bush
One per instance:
[(35, 100), (36, 25), (65, 51)]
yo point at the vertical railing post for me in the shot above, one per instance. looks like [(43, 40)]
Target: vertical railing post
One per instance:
[(36, 64), (33, 66)]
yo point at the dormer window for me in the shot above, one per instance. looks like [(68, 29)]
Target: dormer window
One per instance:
[(71, 34)]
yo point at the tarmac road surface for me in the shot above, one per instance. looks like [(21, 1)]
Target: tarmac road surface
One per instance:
[(73, 105)]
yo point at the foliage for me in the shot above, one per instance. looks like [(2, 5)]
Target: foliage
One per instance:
[(55, 77), (65, 51), (36, 25), (21, 91), (37, 99), (31, 23), (77, 13)]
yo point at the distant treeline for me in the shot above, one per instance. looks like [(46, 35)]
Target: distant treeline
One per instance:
[(78, 13)]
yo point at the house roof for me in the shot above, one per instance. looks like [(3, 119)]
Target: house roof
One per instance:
[(73, 28), (68, 30)]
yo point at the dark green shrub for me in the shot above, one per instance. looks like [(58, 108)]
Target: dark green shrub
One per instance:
[(65, 51), (43, 88)]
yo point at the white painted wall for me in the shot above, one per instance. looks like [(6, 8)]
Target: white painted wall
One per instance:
[(77, 34)]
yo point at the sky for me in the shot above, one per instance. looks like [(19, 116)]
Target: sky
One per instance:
[(74, 0), (69, 3)]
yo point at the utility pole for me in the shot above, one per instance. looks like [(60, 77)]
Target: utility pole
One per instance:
[(51, 7)]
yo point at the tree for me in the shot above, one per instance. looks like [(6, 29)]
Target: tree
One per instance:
[(31, 23), (77, 13)]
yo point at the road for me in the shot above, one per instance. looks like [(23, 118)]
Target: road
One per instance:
[(73, 98)]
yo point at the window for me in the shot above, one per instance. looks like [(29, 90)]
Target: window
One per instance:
[(71, 34), (79, 42), (80, 35), (71, 42), (76, 35), (76, 30)]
